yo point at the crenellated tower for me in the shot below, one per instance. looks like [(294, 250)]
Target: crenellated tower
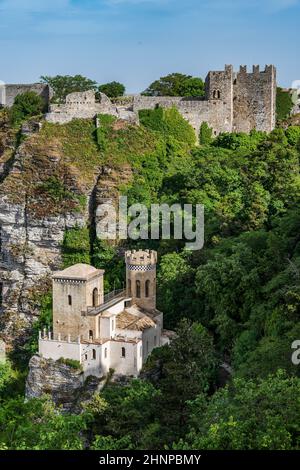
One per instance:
[(141, 277)]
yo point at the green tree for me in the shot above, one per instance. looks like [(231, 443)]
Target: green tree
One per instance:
[(76, 246), (293, 135), (62, 85), (258, 414), (187, 369), (176, 84), (205, 135), (37, 424), (284, 104), (130, 419), (175, 283), (26, 105), (112, 89)]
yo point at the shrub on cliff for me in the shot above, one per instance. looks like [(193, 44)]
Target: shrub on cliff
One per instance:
[(205, 135), (26, 105)]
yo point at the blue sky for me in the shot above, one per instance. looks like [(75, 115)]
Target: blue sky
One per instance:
[(137, 41)]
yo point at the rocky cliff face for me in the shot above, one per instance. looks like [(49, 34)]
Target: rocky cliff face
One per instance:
[(42, 194), (64, 383), (52, 177)]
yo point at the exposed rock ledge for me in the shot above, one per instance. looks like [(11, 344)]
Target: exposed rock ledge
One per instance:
[(65, 384)]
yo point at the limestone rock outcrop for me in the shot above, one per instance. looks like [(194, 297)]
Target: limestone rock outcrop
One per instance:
[(63, 383)]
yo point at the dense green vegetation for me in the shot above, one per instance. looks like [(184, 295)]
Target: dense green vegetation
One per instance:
[(176, 84), (205, 134), (234, 301), (76, 246), (284, 104), (26, 105)]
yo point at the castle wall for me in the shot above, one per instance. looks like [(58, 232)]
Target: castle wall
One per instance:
[(54, 349), (151, 340), (233, 102), (131, 364), (11, 91), (195, 111), (254, 100), (81, 105), (92, 365)]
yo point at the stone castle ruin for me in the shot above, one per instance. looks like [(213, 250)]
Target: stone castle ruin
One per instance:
[(233, 102)]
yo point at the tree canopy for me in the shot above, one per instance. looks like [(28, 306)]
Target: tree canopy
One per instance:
[(176, 84), (62, 85), (112, 89)]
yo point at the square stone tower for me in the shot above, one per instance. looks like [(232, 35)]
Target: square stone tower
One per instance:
[(254, 99), (75, 289)]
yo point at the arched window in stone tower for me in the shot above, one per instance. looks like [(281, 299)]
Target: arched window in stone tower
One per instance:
[(147, 288), (138, 289), (216, 94), (129, 287), (95, 297), (123, 352), (69, 300)]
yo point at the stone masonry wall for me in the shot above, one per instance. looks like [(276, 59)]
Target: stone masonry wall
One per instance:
[(195, 111), (254, 102), (11, 91)]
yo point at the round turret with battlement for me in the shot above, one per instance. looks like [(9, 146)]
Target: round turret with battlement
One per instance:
[(141, 277)]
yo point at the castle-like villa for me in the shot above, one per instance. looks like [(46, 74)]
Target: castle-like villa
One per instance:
[(115, 331)]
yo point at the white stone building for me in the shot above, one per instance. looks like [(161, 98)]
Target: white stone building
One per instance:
[(116, 331)]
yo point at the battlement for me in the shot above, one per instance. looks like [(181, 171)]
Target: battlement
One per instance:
[(140, 257), (269, 70)]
